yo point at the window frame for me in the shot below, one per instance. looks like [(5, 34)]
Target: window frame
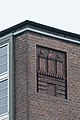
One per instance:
[(8, 40)]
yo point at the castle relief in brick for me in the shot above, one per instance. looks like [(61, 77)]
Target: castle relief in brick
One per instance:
[(51, 72)]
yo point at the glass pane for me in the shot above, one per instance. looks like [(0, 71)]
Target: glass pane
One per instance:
[(3, 110), (3, 50), (3, 84), (3, 68), (5, 118), (3, 101), (3, 92), (3, 60)]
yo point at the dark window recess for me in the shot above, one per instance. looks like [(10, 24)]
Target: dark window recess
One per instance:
[(51, 72)]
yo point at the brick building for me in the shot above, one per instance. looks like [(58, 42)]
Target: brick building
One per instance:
[(39, 73)]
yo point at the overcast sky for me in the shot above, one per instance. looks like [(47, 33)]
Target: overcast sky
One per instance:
[(62, 14)]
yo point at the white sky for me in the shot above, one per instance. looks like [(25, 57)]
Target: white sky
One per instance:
[(62, 14)]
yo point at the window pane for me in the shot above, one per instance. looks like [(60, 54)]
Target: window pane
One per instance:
[(3, 50), (5, 119), (3, 68), (3, 101), (3, 109), (3, 60), (3, 84), (3, 92)]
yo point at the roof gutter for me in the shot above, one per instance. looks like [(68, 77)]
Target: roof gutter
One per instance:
[(47, 34), (43, 33)]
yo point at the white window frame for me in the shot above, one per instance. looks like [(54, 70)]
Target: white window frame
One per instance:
[(4, 76), (8, 40)]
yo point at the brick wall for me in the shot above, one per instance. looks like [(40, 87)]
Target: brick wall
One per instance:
[(31, 105), (20, 44)]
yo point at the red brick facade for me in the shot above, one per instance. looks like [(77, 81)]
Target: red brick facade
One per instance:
[(47, 61), (33, 105)]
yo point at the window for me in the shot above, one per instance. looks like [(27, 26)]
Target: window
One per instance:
[(6, 79), (51, 72)]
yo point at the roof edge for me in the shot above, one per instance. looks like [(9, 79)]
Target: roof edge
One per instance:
[(39, 26)]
